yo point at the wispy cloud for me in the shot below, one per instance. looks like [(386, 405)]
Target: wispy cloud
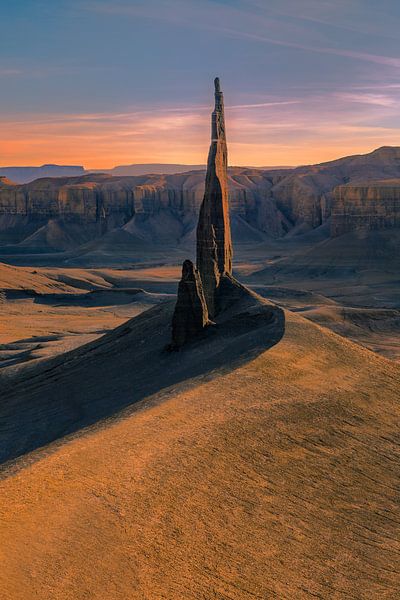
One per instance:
[(346, 15), (389, 61), (287, 106), (10, 72), (242, 24), (374, 99), (270, 132), (265, 104)]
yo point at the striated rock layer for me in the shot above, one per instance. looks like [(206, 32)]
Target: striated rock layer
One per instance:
[(214, 244), (372, 205), (263, 202), (143, 202)]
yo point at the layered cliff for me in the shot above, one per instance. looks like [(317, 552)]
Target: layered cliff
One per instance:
[(373, 205), (306, 194), (79, 198), (105, 202), (162, 208)]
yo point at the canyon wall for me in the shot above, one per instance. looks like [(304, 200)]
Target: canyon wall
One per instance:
[(164, 208), (373, 205), (112, 201)]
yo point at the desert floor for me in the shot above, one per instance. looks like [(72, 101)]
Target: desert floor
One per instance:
[(263, 462)]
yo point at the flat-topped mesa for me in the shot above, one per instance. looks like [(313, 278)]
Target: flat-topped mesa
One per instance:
[(214, 244), (191, 314)]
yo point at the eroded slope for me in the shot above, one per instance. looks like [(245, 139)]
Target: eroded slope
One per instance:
[(272, 476)]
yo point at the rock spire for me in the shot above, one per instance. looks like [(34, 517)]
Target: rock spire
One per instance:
[(214, 244), (199, 296), (191, 314)]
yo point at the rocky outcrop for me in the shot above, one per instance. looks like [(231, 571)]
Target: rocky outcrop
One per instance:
[(214, 244), (191, 314), (198, 288), (372, 206), (305, 195)]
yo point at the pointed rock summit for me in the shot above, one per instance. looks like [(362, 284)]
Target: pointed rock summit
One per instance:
[(214, 244), (198, 289)]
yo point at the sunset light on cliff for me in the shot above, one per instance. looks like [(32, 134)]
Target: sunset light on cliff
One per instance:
[(199, 300)]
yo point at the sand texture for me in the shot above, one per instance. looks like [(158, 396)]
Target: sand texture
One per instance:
[(269, 472)]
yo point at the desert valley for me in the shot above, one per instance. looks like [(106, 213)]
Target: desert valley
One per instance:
[(199, 356), (253, 454), (81, 254)]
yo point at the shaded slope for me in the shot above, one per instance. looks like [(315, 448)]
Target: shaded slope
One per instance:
[(377, 329), (76, 389), (352, 253), (56, 236), (278, 479)]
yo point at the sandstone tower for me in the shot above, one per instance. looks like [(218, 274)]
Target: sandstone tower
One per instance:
[(198, 289), (214, 244)]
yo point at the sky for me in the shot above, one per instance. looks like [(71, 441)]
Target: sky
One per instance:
[(102, 83)]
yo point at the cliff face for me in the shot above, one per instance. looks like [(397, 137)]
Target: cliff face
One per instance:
[(82, 198), (306, 194), (142, 201), (165, 207), (373, 205)]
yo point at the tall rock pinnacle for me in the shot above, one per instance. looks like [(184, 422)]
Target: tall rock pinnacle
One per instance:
[(214, 244), (198, 293)]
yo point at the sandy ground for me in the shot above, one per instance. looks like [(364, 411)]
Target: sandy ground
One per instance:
[(377, 329), (272, 475), (47, 311), (365, 308), (30, 331)]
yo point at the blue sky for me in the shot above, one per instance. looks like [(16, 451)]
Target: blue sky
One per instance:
[(100, 83)]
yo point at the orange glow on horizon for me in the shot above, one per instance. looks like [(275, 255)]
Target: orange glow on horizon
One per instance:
[(99, 141)]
